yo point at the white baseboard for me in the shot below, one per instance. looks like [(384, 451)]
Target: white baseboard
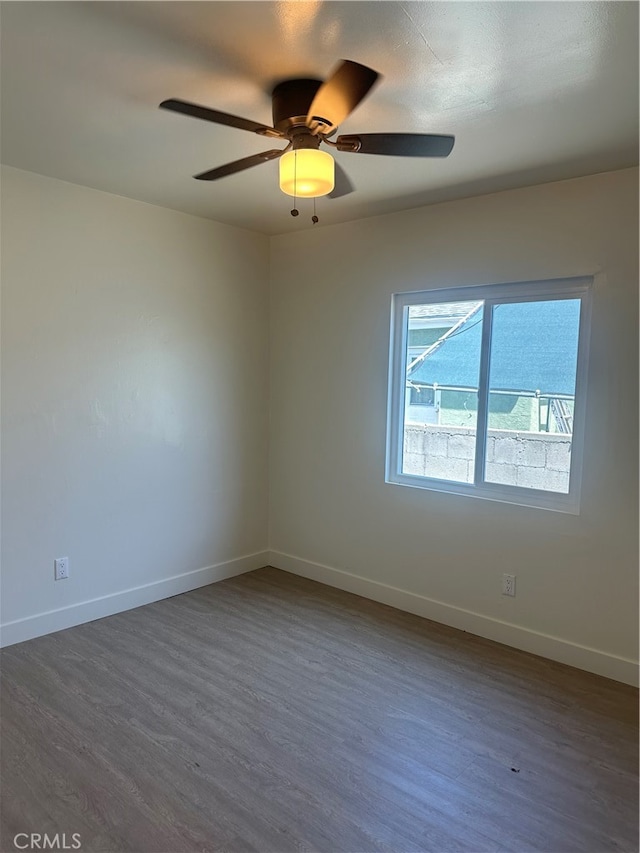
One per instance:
[(86, 611), (554, 648)]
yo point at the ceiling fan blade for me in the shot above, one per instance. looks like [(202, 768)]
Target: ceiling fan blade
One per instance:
[(239, 165), (196, 111), (397, 144), (343, 185), (339, 95)]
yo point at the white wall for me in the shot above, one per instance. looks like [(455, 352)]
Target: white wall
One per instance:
[(577, 576), (134, 401)]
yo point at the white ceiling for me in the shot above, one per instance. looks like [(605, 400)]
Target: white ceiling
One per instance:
[(533, 92)]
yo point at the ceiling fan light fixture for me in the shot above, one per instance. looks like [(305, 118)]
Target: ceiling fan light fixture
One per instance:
[(307, 173)]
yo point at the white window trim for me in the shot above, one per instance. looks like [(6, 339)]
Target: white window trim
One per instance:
[(491, 294)]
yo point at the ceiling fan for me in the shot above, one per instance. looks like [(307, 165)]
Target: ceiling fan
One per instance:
[(306, 114)]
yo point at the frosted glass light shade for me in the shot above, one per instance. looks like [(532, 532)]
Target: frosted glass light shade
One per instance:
[(307, 173)]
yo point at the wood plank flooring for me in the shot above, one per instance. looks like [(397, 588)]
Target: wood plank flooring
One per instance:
[(271, 713)]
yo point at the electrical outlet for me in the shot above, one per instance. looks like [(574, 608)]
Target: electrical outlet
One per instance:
[(509, 585), (61, 568)]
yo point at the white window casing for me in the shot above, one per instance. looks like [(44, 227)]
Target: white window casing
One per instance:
[(491, 295)]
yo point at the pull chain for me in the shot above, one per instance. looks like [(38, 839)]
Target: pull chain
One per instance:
[(314, 218), (295, 212)]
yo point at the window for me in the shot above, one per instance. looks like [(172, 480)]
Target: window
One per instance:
[(487, 391)]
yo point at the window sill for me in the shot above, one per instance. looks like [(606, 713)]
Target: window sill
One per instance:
[(555, 502)]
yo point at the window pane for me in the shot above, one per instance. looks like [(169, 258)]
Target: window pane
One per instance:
[(441, 390), (532, 383)]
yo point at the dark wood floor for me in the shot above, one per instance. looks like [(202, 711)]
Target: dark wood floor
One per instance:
[(271, 713)]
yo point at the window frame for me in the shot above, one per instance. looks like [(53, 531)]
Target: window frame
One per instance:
[(493, 294)]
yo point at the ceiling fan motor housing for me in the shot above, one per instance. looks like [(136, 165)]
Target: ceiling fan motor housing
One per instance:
[(291, 101)]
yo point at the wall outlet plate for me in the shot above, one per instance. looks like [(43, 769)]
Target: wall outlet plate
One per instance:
[(509, 585), (61, 568)]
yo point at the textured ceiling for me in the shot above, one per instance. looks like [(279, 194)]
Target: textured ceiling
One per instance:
[(532, 91)]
